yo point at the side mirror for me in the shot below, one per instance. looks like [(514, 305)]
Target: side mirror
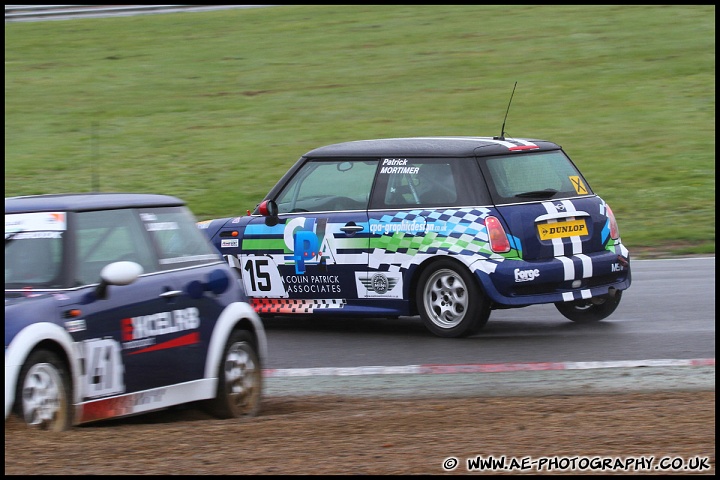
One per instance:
[(268, 208), (117, 273)]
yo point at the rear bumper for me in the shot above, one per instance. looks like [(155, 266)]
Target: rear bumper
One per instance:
[(560, 279)]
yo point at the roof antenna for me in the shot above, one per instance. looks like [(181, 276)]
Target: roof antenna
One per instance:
[(502, 130)]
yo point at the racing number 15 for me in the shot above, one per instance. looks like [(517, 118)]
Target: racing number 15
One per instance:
[(259, 276)]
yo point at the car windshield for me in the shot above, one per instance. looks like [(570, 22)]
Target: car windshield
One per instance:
[(33, 249), (534, 176)]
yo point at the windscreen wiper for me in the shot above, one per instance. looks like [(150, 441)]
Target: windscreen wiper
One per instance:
[(10, 235), (547, 193)]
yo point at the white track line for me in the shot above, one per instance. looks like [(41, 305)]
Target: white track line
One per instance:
[(481, 368)]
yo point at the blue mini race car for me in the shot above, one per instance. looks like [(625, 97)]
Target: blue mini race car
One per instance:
[(449, 228), (115, 305)]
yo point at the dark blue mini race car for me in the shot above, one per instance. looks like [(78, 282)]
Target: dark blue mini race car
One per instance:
[(115, 304), (445, 227)]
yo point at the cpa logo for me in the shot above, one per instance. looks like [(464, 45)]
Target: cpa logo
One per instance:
[(303, 242)]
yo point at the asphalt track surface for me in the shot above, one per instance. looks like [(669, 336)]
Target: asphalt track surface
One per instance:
[(665, 290)]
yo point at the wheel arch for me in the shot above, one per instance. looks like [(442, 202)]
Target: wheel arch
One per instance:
[(38, 336), (238, 315), (429, 263)]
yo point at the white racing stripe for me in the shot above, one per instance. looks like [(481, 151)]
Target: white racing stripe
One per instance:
[(482, 367), (509, 143), (576, 243), (569, 267), (558, 245), (587, 266)]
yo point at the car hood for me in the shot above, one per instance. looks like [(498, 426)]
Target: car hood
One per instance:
[(211, 228), (12, 299)]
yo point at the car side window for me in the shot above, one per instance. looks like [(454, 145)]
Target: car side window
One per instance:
[(328, 185), (178, 240), (105, 237), (412, 183)]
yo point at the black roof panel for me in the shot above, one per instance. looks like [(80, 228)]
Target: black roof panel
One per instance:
[(87, 201), (431, 146)]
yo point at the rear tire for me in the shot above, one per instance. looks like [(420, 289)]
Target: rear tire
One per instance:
[(591, 310), (239, 378), (450, 302), (43, 398)]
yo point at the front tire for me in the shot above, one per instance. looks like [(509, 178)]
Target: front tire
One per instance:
[(239, 378), (450, 302), (43, 392), (591, 310)]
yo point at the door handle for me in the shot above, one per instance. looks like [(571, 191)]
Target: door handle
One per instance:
[(171, 293), (351, 228)]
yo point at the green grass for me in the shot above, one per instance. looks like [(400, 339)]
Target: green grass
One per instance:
[(213, 107)]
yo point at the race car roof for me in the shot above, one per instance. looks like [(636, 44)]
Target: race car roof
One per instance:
[(79, 202), (431, 147)]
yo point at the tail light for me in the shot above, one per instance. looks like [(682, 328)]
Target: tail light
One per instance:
[(614, 231), (496, 233)]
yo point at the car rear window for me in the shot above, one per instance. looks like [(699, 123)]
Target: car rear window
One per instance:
[(533, 176)]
